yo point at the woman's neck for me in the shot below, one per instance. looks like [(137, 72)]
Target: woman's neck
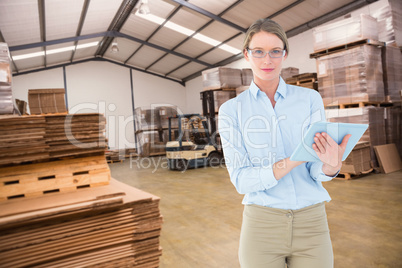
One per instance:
[(269, 87)]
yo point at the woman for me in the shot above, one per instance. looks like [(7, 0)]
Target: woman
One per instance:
[(284, 219)]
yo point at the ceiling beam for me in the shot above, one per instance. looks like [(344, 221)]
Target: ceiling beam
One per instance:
[(98, 59), (157, 29), (42, 23), (196, 32), (285, 9), (110, 34), (343, 10), (118, 21), (209, 14), (80, 24)]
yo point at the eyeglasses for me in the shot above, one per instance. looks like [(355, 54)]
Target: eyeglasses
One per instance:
[(260, 53)]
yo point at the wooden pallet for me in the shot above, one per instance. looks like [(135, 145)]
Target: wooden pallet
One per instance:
[(51, 177), (344, 47), (361, 104), (349, 176)]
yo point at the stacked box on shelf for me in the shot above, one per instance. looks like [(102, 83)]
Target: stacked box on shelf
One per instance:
[(164, 113), (373, 116), (221, 78), (392, 69), (151, 142), (147, 118), (47, 101), (289, 72), (345, 31), (151, 124), (351, 76), (6, 96)]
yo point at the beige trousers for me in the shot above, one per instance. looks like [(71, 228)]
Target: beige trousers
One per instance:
[(272, 238)]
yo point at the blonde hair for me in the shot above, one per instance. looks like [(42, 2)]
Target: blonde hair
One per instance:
[(269, 26)]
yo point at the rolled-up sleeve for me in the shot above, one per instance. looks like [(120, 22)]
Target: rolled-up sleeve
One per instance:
[(243, 174)]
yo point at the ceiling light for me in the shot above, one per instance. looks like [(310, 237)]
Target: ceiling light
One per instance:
[(114, 48), (53, 51), (144, 8)]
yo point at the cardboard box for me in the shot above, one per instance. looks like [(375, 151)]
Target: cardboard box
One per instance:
[(47, 101), (221, 96), (147, 119), (246, 77), (392, 68), (345, 31), (221, 78), (289, 72), (359, 159)]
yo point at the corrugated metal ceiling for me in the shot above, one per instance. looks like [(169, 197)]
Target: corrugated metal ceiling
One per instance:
[(42, 26)]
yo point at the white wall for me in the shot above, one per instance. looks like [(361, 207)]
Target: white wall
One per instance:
[(103, 87)]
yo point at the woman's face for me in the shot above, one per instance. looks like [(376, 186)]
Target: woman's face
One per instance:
[(265, 69)]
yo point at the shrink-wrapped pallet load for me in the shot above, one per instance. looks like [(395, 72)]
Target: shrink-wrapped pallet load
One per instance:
[(147, 118), (345, 31), (392, 68), (351, 76), (221, 78), (6, 96), (389, 19)]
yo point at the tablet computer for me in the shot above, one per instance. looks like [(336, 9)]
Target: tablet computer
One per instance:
[(304, 151)]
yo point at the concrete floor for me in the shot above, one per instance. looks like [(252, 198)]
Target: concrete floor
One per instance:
[(202, 215)]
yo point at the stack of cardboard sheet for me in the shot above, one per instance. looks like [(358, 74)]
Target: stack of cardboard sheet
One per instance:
[(75, 134), (114, 225), (47, 101), (351, 76), (221, 78), (359, 160), (389, 19), (392, 68), (345, 31), (22, 139), (31, 138)]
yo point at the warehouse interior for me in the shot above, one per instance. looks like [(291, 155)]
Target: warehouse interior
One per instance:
[(86, 92)]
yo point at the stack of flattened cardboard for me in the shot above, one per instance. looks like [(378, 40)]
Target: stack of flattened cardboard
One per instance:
[(30, 138), (359, 160), (351, 76), (22, 139), (75, 134), (108, 226), (47, 101)]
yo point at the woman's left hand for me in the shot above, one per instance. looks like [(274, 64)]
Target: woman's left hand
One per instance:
[(329, 152)]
